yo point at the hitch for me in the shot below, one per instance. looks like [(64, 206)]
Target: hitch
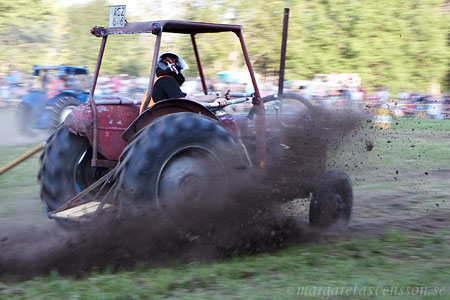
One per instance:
[(75, 209), (78, 213)]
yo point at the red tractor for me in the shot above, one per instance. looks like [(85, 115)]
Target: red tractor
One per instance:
[(176, 147)]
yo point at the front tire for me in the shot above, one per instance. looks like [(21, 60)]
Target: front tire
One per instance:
[(331, 200)]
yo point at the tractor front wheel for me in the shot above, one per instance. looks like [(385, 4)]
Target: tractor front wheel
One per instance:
[(331, 200)]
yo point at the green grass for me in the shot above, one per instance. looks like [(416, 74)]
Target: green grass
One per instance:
[(398, 152), (420, 124), (20, 182), (406, 163), (393, 261), (19, 188), (21, 179), (400, 159)]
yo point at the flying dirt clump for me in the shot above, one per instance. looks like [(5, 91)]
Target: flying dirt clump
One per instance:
[(247, 219)]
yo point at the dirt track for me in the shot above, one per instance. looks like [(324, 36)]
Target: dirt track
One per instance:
[(10, 135), (26, 250), (418, 210)]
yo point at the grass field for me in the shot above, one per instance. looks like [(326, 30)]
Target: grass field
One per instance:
[(19, 187), (396, 260), (396, 247)]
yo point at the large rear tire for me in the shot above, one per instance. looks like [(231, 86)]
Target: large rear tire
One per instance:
[(62, 107), (331, 200), (65, 168), (182, 156)]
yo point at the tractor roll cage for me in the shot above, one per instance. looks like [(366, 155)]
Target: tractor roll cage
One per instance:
[(181, 27), (171, 26)]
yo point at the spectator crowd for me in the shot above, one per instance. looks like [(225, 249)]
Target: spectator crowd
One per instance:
[(15, 84)]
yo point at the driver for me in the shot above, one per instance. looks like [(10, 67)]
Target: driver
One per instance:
[(169, 79)]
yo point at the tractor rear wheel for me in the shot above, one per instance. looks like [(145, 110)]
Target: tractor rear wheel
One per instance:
[(65, 168), (182, 156), (62, 107), (331, 200)]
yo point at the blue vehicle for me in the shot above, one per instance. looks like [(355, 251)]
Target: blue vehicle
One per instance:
[(54, 91)]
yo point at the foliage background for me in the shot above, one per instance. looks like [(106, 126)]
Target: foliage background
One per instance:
[(398, 44)]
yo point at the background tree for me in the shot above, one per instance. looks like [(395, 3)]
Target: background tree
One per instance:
[(122, 54), (25, 32), (398, 44)]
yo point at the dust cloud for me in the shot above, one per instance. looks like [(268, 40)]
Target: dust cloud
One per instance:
[(10, 135)]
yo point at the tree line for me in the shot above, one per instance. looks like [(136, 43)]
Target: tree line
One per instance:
[(398, 44)]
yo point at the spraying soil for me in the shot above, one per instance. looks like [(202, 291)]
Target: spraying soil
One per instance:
[(202, 232)]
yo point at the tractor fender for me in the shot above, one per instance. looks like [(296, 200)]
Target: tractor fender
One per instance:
[(162, 108), (80, 121), (113, 119)]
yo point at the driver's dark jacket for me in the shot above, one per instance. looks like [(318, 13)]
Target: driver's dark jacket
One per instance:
[(165, 87)]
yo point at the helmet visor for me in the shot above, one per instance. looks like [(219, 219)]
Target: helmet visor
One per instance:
[(182, 64)]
